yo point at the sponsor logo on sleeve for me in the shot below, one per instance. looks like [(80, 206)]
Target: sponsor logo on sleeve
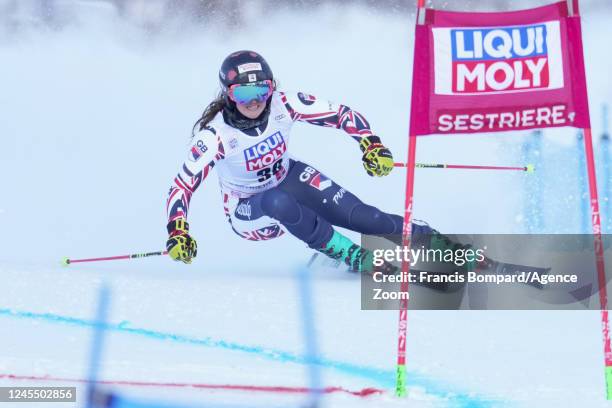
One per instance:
[(265, 153), (197, 151), (306, 99), (498, 60)]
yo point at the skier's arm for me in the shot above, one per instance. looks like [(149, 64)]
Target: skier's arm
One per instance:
[(307, 108), (205, 151), (377, 159)]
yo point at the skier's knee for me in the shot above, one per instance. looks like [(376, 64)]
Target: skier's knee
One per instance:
[(280, 205)]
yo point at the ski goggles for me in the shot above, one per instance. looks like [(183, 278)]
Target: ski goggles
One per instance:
[(245, 93)]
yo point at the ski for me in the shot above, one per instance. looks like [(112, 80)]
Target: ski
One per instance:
[(505, 268), (320, 261)]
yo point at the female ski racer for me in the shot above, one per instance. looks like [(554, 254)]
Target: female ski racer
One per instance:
[(244, 133)]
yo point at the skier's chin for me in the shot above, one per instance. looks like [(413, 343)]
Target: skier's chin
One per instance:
[(252, 111)]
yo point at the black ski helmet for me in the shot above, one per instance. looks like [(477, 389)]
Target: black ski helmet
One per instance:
[(243, 67)]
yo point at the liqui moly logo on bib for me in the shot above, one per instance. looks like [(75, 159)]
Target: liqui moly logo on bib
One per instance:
[(493, 60), (265, 153)]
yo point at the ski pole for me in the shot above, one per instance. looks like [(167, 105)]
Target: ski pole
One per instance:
[(67, 261), (530, 168)]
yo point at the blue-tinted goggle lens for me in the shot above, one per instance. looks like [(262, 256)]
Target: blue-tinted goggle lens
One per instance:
[(245, 93)]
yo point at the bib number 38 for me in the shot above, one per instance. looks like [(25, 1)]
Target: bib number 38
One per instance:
[(267, 172)]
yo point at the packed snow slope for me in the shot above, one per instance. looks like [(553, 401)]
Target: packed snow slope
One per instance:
[(95, 122)]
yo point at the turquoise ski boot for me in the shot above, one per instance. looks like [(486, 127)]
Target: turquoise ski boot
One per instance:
[(340, 247), (358, 259)]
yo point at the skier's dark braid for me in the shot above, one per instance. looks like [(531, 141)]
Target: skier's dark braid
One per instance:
[(209, 113)]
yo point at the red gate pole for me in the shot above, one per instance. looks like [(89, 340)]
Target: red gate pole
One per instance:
[(599, 260), (598, 245), (400, 384), (400, 387)]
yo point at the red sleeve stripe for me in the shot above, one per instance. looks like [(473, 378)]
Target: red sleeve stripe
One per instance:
[(221, 151), (174, 192), (179, 182), (177, 216), (206, 170), (292, 113), (304, 116)]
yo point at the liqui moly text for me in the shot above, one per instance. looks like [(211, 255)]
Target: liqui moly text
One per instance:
[(265, 153), (498, 59)]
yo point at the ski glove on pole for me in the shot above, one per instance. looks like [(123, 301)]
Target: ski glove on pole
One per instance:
[(180, 245), (377, 159)]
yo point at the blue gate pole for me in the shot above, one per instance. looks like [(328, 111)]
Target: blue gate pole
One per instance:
[(97, 344), (310, 337)]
